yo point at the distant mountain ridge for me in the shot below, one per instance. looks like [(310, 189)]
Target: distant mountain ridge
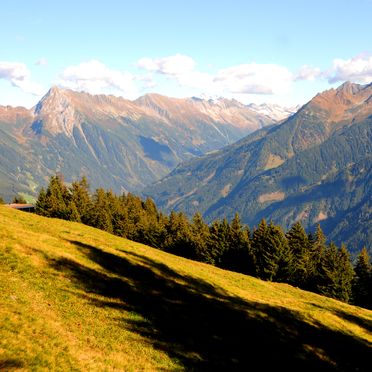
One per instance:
[(314, 167), (274, 111), (115, 142)]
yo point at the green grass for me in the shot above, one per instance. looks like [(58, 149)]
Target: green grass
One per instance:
[(76, 298)]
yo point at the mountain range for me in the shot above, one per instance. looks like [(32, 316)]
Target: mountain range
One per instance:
[(117, 143), (315, 167), (312, 165)]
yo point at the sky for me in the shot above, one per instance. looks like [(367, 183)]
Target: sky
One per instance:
[(264, 51)]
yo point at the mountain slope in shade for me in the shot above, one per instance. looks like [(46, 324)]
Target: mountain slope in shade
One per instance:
[(315, 167), (116, 143)]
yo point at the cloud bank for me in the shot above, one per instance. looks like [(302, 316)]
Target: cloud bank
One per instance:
[(243, 82), (96, 78), (250, 78), (357, 69), (19, 76)]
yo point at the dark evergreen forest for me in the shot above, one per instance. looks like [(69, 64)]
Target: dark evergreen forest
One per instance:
[(295, 257)]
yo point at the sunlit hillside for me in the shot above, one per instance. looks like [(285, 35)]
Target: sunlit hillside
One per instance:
[(76, 298)]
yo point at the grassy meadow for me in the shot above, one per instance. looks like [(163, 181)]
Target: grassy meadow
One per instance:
[(76, 298)]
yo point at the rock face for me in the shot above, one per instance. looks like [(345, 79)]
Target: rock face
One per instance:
[(56, 114), (116, 143), (314, 167)]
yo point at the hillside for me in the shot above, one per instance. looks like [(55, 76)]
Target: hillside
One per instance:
[(315, 167), (116, 143), (73, 297)]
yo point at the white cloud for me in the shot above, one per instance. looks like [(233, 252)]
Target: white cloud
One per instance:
[(254, 78), (96, 78), (172, 65), (178, 67), (307, 72), (19, 76), (357, 69), (250, 78)]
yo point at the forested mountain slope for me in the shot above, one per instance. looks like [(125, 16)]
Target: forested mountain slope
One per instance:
[(314, 167)]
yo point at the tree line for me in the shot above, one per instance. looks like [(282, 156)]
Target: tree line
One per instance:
[(267, 252)]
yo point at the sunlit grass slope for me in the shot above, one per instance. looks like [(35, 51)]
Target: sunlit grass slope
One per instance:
[(76, 298)]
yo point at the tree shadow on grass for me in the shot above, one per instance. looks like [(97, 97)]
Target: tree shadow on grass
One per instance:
[(10, 364), (205, 328), (359, 321)]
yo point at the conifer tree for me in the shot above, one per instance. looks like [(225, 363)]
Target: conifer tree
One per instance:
[(259, 245), (79, 192), (317, 252), (362, 286), (271, 250), (336, 273), (120, 220), (151, 226), (327, 284), (73, 212), (41, 206), (54, 202), (299, 245), (281, 253), (101, 214), (346, 275), (200, 236), (238, 256), (178, 235), (219, 241)]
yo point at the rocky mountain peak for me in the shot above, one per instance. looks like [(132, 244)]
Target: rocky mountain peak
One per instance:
[(56, 112), (349, 88), (343, 104)]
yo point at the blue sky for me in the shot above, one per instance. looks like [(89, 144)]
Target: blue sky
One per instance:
[(255, 51)]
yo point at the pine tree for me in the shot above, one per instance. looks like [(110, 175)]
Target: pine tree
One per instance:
[(317, 252), (41, 206), (54, 201), (178, 236), (271, 250), (362, 286), (327, 284), (101, 214), (259, 245), (336, 273), (346, 275), (299, 245), (219, 241), (238, 255), (79, 192), (200, 236), (151, 227), (73, 212)]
